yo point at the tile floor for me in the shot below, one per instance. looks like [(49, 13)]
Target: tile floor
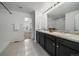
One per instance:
[(24, 48)]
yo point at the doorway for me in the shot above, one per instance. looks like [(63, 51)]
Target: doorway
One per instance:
[(28, 28)]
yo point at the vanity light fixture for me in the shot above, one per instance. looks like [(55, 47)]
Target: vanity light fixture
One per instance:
[(51, 7)]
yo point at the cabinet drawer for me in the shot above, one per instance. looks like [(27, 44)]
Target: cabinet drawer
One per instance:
[(50, 37), (41, 34)]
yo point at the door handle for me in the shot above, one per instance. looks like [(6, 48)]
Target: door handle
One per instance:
[(74, 54)]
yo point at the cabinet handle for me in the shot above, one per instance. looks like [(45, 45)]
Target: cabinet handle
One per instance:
[(57, 46), (53, 44)]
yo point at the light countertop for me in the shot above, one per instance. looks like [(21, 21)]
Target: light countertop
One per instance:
[(67, 36)]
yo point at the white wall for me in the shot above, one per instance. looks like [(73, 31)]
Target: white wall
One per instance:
[(33, 25), (6, 29), (40, 20), (69, 22), (76, 22)]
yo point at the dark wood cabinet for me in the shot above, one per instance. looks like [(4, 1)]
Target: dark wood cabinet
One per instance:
[(61, 50), (64, 48), (37, 36), (40, 38), (50, 47), (56, 46), (42, 42)]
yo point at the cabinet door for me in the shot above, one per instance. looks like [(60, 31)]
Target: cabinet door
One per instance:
[(42, 39), (37, 36), (50, 47), (63, 50), (73, 53)]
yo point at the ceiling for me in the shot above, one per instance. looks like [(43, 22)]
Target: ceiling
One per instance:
[(64, 8), (26, 7)]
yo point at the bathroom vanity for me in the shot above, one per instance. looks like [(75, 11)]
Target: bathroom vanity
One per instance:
[(58, 44)]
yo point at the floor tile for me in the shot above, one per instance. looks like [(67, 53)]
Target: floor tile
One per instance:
[(24, 48)]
